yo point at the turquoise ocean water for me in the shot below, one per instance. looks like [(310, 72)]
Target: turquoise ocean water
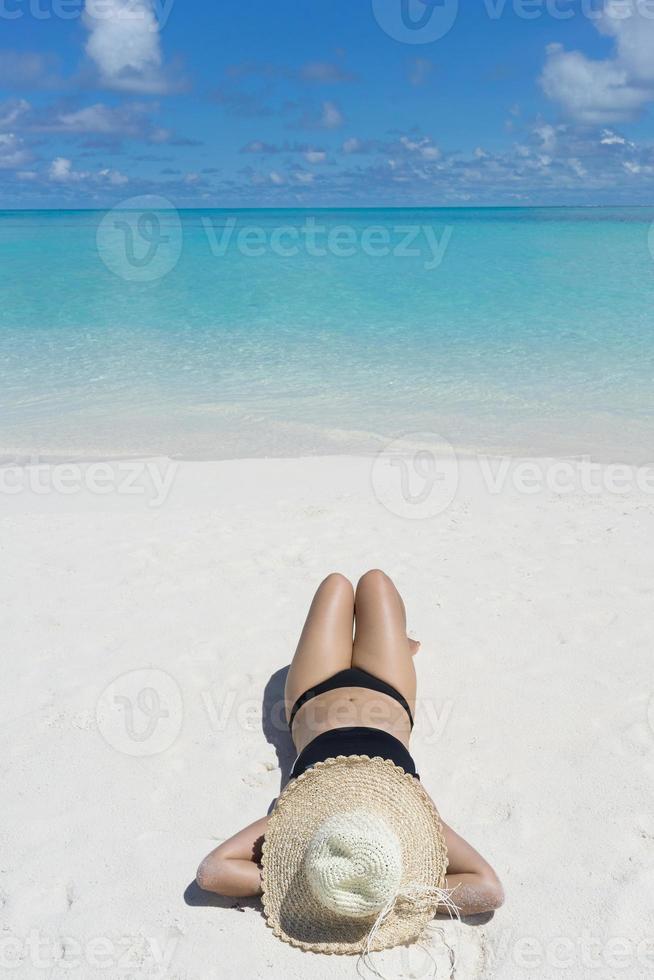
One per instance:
[(213, 334)]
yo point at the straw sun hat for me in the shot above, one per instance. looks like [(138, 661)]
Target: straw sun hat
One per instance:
[(354, 858)]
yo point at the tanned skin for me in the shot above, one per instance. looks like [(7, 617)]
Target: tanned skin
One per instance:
[(380, 645)]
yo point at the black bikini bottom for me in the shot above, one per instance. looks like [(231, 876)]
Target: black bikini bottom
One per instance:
[(350, 677), (354, 741)]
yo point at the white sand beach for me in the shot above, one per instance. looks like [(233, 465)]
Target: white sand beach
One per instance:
[(141, 642)]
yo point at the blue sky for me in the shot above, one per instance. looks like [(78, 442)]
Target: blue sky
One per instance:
[(326, 102)]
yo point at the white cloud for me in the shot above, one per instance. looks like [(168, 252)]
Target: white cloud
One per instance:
[(352, 145), (590, 91), (61, 171), (423, 147), (12, 152), (577, 167), (548, 135), (124, 44), (326, 116), (315, 156), (302, 177), (560, 163), (419, 70), (610, 138), (613, 89), (97, 118), (331, 117), (128, 119), (631, 23), (114, 177), (132, 119), (11, 111)]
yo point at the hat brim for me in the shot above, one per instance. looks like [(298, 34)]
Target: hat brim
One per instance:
[(336, 786)]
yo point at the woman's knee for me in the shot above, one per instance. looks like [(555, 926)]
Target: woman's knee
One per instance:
[(375, 580), (335, 582)]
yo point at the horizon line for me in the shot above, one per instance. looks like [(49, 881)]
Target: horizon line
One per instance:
[(343, 207)]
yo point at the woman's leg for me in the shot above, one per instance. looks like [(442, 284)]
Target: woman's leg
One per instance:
[(381, 645), (325, 645)]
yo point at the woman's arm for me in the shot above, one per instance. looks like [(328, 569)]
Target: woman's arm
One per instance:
[(233, 868), (473, 884)]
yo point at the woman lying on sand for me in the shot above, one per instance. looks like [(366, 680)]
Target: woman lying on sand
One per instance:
[(354, 856)]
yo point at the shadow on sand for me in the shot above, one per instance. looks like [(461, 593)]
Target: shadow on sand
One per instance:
[(275, 727), (275, 730)]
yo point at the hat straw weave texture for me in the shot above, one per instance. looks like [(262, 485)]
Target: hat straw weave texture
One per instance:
[(344, 838)]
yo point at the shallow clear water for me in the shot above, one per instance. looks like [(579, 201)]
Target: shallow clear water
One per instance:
[(317, 332)]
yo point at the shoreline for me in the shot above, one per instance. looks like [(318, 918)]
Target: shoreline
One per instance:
[(406, 479), (12, 456)]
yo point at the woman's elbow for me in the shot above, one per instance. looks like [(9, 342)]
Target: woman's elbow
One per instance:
[(492, 893), (209, 876)]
